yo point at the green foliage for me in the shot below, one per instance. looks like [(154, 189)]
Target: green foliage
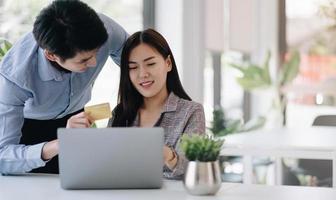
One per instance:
[(327, 9), (218, 123), (4, 47), (231, 126), (93, 125), (221, 127), (201, 147), (258, 77), (254, 124), (254, 76), (237, 125), (290, 69)]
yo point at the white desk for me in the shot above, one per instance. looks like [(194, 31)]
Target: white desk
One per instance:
[(43, 187), (309, 143)]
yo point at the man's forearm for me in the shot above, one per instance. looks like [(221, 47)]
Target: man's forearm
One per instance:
[(20, 159)]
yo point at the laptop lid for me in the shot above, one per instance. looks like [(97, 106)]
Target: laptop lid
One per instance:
[(105, 158)]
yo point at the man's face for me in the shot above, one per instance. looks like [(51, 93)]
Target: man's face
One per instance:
[(79, 63)]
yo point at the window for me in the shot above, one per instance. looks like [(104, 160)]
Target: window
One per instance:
[(311, 30), (128, 14)]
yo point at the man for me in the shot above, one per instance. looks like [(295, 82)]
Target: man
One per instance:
[(47, 77)]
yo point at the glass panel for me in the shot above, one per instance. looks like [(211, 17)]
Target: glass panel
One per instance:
[(307, 172), (311, 30)]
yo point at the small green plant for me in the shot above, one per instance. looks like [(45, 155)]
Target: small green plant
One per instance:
[(201, 147), (4, 47)]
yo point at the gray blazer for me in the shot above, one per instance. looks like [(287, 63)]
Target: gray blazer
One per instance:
[(178, 117)]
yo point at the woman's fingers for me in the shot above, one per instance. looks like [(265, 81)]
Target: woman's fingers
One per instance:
[(91, 120)]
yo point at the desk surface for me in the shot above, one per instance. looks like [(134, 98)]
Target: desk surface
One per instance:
[(38, 187), (306, 143), (312, 138)]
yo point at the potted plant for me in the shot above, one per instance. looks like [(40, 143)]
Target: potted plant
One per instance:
[(257, 77), (202, 176)]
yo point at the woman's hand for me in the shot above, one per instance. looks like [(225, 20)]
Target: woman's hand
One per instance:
[(80, 120), (169, 157)]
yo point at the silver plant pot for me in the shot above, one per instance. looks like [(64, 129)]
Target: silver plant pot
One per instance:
[(202, 178)]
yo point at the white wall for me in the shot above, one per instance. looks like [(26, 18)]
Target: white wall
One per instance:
[(182, 23), (168, 22)]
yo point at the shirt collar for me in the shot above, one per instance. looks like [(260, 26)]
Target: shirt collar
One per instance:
[(46, 71), (171, 103), (170, 106)]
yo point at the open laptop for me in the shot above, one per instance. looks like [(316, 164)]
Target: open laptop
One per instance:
[(111, 158)]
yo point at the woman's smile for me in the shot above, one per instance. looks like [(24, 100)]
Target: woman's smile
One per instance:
[(146, 84)]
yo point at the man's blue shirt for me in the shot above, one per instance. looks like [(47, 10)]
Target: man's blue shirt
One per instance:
[(30, 87)]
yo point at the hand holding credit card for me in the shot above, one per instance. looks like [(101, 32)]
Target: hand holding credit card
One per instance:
[(99, 111)]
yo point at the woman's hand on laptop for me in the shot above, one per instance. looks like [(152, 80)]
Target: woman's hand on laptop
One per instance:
[(81, 120), (169, 157)]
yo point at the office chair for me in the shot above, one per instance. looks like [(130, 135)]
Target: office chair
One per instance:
[(325, 120)]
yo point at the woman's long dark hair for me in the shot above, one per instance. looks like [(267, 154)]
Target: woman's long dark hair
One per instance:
[(129, 99)]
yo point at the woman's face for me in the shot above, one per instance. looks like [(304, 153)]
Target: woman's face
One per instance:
[(148, 70)]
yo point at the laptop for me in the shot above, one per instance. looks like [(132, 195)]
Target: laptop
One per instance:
[(111, 158)]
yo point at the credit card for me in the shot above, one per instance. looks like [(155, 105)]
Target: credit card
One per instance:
[(99, 111)]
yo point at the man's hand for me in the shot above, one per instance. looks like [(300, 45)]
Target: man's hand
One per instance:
[(50, 149), (80, 120)]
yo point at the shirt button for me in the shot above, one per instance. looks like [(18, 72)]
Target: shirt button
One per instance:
[(72, 94)]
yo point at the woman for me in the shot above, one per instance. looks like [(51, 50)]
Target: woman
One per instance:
[(151, 94)]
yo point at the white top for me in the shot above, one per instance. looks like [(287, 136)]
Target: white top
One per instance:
[(41, 187)]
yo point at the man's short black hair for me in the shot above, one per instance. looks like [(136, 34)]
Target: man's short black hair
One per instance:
[(66, 27)]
